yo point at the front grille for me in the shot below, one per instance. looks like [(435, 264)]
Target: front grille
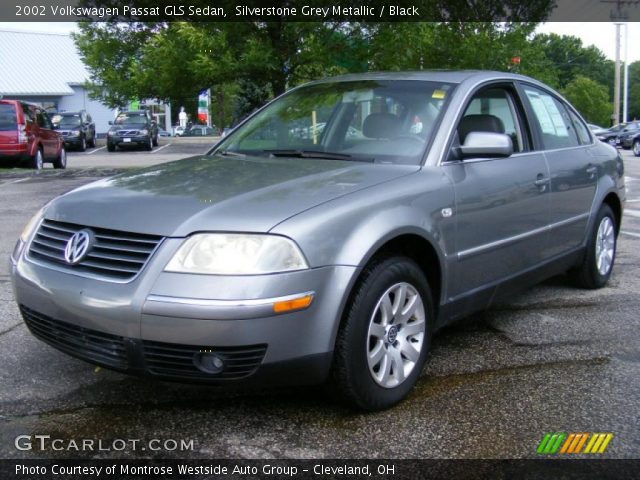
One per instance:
[(114, 255), (90, 345), (128, 133), (177, 361)]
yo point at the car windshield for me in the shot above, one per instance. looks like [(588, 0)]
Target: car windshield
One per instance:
[(124, 119), (370, 120), (69, 121)]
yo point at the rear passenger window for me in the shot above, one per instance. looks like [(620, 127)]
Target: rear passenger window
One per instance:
[(581, 129), (553, 119), (43, 119), (28, 117)]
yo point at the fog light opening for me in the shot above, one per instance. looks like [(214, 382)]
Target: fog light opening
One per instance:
[(209, 362)]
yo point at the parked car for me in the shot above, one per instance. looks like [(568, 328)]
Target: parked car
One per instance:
[(610, 135), (626, 137), (596, 129), (199, 131), (276, 259), (634, 142), (178, 130), (163, 133), (136, 128), (77, 129), (27, 136)]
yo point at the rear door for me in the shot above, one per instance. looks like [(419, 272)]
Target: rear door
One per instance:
[(48, 137), (568, 147), (502, 204)]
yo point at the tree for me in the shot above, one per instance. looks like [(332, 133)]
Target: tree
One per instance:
[(172, 61), (590, 98), (567, 57), (634, 91)]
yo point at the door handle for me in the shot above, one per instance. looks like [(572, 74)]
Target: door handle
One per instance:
[(592, 170), (541, 181)]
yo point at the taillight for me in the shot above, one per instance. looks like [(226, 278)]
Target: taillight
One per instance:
[(22, 134)]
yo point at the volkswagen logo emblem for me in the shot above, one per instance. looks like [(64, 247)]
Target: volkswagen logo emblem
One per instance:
[(78, 246)]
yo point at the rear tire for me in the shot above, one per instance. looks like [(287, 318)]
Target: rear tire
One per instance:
[(596, 267), (636, 148), (383, 341), (37, 161), (92, 144), (61, 161)]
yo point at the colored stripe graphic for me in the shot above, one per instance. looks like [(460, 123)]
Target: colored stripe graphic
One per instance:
[(573, 443), (551, 443)]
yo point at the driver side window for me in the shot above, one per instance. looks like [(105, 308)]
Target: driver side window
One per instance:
[(492, 110)]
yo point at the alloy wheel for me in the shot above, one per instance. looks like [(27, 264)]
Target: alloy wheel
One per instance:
[(605, 246), (396, 335), (39, 163)]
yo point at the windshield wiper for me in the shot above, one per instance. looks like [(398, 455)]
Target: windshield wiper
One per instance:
[(316, 154), (229, 153)]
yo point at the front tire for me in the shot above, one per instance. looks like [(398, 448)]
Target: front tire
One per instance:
[(83, 144), (595, 270), (384, 338), (111, 147), (155, 141), (636, 148), (149, 146)]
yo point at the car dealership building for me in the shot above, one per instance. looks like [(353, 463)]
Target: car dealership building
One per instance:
[(46, 69)]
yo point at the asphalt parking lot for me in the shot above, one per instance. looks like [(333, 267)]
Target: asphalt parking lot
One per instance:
[(552, 359)]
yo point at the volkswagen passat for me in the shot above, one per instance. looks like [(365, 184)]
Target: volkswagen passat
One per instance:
[(327, 237)]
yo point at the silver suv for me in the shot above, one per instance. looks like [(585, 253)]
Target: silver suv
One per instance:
[(329, 236)]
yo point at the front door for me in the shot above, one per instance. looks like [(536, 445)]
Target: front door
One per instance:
[(502, 204)]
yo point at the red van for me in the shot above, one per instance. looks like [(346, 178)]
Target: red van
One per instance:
[(27, 136)]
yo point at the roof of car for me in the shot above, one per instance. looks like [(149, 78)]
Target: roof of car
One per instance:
[(447, 76)]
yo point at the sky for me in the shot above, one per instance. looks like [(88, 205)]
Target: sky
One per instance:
[(600, 34)]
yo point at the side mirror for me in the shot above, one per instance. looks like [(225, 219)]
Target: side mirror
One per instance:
[(110, 122), (486, 145)]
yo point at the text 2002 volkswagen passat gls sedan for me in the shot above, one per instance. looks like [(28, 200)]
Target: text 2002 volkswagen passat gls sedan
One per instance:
[(329, 236)]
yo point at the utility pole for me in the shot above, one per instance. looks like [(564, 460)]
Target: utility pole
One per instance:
[(625, 109), (616, 84), (618, 16)]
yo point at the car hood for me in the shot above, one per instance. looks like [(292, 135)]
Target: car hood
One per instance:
[(211, 193)]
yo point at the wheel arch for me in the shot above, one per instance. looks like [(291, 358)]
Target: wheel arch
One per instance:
[(613, 201), (413, 244)]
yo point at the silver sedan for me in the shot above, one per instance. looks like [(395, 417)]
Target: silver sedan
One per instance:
[(329, 236)]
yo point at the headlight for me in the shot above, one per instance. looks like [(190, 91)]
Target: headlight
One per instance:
[(111, 133), (31, 225), (236, 254), (144, 131), (74, 133)]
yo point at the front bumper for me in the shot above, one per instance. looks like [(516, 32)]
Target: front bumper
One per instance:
[(159, 323), (72, 141), (124, 141), (626, 142)]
